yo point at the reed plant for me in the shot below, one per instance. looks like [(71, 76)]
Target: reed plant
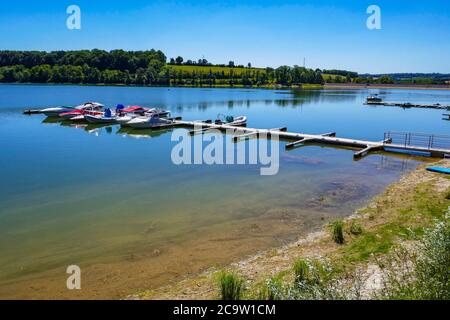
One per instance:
[(338, 231), (231, 286)]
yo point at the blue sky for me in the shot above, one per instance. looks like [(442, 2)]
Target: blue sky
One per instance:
[(415, 35)]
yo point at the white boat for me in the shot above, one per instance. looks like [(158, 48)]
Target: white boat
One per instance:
[(161, 112), (238, 121), (56, 111), (374, 99), (230, 120), (152, 121), (78, 114), (124, 119), (105, 117)]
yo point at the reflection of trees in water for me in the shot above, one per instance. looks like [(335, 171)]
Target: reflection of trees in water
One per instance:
[(292, 98), (315, 96)]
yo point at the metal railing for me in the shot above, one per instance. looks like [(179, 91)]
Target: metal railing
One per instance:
[(429, 141)]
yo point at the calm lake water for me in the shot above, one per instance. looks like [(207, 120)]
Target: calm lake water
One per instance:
[(112, 201)]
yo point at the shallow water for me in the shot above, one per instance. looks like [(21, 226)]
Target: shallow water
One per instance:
[(112, 201)]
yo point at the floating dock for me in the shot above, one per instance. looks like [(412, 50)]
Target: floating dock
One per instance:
[(409, 105), (432, 145)]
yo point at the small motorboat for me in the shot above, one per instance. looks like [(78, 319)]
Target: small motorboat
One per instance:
[(230, 120), (105, 117), (161, 112), (56, 111), (151, 121), (126, 114), (78, 114), (129, 114), (373, 99)]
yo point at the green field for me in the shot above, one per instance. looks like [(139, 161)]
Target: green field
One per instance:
[(333, 77), (215, 69)]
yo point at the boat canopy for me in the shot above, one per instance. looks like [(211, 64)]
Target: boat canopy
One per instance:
[(90, 105), (133, 109)]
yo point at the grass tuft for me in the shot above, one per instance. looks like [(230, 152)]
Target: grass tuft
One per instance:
[(231, 286), (338, 231), (356, 229), (301, 269)]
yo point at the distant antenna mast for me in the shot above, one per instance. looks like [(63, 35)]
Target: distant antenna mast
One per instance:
[(304, 62)]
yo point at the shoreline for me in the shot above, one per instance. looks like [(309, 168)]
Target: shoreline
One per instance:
[(386, 86), (326, 86), (381, 214)]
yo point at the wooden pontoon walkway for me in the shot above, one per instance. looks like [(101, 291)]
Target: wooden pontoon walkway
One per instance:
[(408, 105), (300, 139)]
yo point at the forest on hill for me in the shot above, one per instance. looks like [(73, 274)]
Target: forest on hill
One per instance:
[(140, 68)]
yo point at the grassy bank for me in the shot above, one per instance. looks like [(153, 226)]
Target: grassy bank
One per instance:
[(372, 238)]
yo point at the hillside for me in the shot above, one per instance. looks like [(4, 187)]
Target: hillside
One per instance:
[(205, 70)]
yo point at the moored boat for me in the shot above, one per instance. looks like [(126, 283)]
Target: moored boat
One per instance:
[(105, 117), (132, 114), (56, 111), (152, 121), (78, 114), (373, 99), (230, 120)]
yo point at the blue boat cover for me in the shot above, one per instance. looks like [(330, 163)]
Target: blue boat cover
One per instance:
[(439, 169)]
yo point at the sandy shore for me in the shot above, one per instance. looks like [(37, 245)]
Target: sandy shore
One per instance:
[(382, 211)]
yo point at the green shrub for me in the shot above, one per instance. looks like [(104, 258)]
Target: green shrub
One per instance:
[(356, 228), (421, 272), (338, 231), (231, 286)]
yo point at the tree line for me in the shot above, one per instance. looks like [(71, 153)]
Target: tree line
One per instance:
[(284, 75), (203, 62), (140, 68)]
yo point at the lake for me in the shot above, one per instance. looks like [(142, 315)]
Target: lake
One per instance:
[(112, 202)]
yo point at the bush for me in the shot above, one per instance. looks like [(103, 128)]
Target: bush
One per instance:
[(338, 231), (231, 286), (356, 228), (421, 272)]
